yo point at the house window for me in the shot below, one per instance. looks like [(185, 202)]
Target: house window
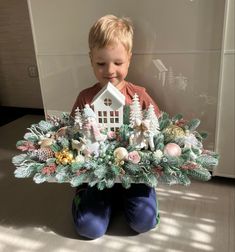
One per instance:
[(107, 101), (102, 117), (114, 116), (115, 129)]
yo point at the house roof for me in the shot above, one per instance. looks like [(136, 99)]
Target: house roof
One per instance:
[(110, 88)]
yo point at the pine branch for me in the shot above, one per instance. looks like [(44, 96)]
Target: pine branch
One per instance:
[(207, 161), (62, 176), (78, 180), (199, 174), (17, 160), (45, 126), (110, 182), (64, 142), (126, 181), (151, 180), (100, 171), (39, 178), (101, 185), (126, 115), (177, 117), (192, 125)]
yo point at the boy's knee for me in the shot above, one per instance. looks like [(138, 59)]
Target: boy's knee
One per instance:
[(143, 226), (90, 225), (91, 221), (143, 221), (91, 229)]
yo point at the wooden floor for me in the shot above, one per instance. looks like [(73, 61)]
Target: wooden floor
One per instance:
[(36, 218)]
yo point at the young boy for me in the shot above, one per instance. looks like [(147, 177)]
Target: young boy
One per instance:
[(110, 43)]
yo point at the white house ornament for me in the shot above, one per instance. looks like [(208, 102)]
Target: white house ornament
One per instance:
[(108, 106)]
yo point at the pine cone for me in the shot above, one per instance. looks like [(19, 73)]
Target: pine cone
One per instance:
[(44, 153)]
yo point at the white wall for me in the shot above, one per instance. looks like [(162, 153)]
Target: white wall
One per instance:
[(225, 125), (185, 35), (18, 88)]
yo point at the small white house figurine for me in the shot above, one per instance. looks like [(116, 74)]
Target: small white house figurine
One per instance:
[(108, 107)]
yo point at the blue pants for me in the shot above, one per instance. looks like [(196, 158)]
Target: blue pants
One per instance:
[(92, 208)]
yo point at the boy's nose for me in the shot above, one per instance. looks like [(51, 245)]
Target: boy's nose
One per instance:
[(110, 68)]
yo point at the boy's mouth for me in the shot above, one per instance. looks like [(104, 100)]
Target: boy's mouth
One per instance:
[(110, 78)]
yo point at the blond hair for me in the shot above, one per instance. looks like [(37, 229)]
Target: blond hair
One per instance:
[(110, 30)]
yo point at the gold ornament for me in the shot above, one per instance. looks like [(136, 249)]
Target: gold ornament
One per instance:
[(173, 131), (120, 153), (119, 162), (64, 157)]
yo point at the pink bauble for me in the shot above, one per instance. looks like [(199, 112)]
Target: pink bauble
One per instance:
[(172, 149)]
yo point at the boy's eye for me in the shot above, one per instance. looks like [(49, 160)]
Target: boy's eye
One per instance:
[(118, 63), (100, 63)]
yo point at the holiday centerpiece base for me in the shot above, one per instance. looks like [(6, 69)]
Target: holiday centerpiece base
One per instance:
[(52, 155), (103, 147)]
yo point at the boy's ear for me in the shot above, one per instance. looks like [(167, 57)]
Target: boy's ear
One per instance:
[(129, 58), (90, 56)]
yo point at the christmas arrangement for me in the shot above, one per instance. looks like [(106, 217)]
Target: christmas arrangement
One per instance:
[(103, 147)]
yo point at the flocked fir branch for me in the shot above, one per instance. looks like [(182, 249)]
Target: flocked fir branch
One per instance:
[(145, 149)]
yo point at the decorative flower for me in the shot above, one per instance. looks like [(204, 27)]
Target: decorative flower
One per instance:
[(26, 146), (190, 140), (189, 166), (81, 171), (111, 135), (172, 149), (134, 157), (181, 122), (159, 170), (79, 158), (48, 170), (158, 154)]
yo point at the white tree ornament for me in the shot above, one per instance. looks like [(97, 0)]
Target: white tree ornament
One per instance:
[(136, 110), (154, 123), (78, 118)]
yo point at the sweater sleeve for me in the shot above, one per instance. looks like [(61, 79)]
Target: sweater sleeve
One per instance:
[(78, 103), (146, 100), (85, 97)]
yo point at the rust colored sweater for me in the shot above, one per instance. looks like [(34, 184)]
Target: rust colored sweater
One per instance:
[(128, 90)]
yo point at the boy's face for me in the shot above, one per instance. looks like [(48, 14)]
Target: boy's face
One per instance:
[(110, 64)]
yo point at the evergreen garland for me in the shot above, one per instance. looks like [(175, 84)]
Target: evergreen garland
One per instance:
[(54, 151)]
